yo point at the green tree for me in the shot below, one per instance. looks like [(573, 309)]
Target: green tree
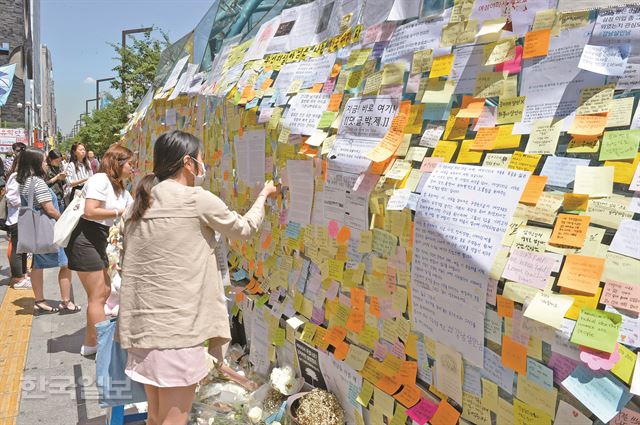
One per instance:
[(138, 64), (137, 68), (102, 127)]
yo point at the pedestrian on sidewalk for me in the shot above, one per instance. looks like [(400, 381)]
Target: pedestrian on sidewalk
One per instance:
[(105, 201), (17, 262), (78, 170), (56, 176), (172, 297), (32, 166), (93, 161)]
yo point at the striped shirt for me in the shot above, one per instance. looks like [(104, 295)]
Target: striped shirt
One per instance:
[(79, 173), (41, 190)]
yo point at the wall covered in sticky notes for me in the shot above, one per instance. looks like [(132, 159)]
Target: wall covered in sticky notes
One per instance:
[(456, 238)]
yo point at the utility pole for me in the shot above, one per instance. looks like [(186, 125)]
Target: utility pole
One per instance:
[(125, 33), (86, 105), (101, 80)]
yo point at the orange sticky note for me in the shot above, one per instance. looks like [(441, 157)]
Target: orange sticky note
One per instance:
[(334, 102), (387, 147), (536, 43), (343, 235), (357, 298), (581, 273), (570, 230), (341, 351), (505, 306), (355, 322), (445, 415), (471, 107), (388, 384), (335, 336), (533, 189), (485, 139), (409, 396), (514, 355), (408, 372), (588, 125), (575, 202)]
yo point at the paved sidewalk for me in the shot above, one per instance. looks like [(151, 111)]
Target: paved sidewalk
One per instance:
[(58, 384)]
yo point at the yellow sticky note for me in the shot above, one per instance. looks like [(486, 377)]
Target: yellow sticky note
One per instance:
[(500, 51), (445, 149), (489, 395), (421, 62), (580, 301), (505, 138), (523, 161), (468, 156), (393, 73), (524, 414), (510, 110), (441, 66), (624, 368)]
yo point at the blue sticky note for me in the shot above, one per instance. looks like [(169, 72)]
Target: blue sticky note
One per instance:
[(239, 275), (540, 374), (293, 230), (472, 383), (560, 170), (600, 392)]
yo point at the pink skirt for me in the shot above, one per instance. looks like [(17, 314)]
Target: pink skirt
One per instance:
[(173, 367)]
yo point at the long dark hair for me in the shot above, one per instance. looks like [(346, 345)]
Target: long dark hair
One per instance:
[(30, 164), (74, 158), (114, 159), (168, 154), (52, 156)]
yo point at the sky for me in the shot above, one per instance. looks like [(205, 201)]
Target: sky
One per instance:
[(77, 33)]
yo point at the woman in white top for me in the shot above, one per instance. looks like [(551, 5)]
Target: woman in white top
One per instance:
[(106, 200), (17, 262), (78, 170)]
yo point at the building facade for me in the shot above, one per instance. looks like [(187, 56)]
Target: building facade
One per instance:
[(31, 104)]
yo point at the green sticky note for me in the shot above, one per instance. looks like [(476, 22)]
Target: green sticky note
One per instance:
[(262, 300), (365, 393), (279, 335), (597, 329), (621, 144), (326, 119), (624, 368)]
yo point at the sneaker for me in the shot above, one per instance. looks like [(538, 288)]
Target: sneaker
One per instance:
[(23, 284), (87, 350)]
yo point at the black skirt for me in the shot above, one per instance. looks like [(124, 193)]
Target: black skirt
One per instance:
[(87, 248)]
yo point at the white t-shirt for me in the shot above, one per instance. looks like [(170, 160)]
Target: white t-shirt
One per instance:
[(99, 187)]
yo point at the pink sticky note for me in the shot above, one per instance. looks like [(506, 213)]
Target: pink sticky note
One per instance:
[(429, 163), (597, 360), (512, 66), (626, 417), (334, 228), (423, 411)]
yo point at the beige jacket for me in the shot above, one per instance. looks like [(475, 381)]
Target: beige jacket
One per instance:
[(171, 294)]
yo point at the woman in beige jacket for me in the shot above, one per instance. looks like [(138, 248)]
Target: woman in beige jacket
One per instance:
[(172, 297)]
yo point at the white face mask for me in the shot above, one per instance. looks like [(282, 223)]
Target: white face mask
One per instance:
[(199, 180)]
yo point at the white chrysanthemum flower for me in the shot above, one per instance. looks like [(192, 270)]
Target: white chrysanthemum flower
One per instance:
[(284, 380), (255, 414)]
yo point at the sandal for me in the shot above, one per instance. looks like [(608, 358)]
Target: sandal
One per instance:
[(38, 309), (64, 307)]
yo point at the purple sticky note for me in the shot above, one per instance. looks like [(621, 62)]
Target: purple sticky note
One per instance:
[(562, 367)]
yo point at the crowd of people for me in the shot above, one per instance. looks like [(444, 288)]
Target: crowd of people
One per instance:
[(172, 298)]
